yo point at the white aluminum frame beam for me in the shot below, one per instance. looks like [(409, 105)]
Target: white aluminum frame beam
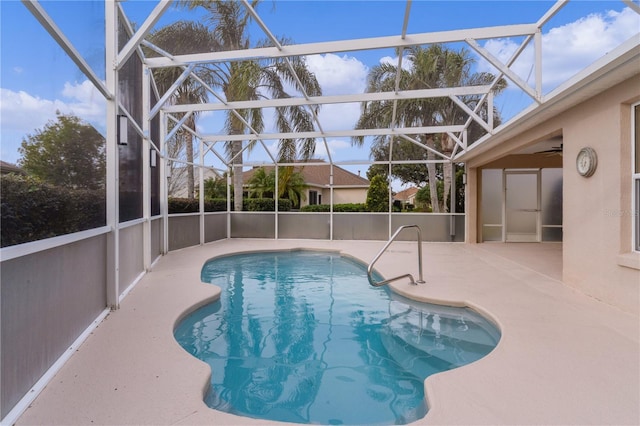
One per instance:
[(506, 70), (313, 111), (334, 99), (169, 93), (337, 133), (147, 25), (347, 45), (54, 31)]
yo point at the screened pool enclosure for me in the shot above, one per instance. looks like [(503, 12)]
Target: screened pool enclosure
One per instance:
[(186, 101)]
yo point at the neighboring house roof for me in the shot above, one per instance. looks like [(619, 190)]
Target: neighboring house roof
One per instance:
[(406, 194), (319, 175), (6, 168)]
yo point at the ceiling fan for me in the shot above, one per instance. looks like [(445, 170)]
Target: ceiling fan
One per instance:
[(555, 150)]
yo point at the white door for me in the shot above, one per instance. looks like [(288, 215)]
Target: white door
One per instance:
[(522, 206)]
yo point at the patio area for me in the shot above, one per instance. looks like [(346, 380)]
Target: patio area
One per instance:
[(564, 358)]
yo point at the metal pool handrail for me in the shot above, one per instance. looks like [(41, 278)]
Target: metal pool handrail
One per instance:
[(375, 259)]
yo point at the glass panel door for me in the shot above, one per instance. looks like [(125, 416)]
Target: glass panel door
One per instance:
[(522, 206)]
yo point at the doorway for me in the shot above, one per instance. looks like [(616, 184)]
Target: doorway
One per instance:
[(522, 196), (521, 205)]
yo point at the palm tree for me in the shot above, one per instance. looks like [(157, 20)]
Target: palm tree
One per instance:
[(291, 184), (432, 67), (183, 37), (262, 184), (253, 80)]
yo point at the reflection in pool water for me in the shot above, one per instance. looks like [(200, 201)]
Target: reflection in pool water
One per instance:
[(301, 337)]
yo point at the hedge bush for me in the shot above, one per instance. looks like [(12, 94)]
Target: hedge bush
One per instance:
[(186, 205), (31, 210), (266, 205), (192, 205), (350, 208), (316, 208), (337, 208)]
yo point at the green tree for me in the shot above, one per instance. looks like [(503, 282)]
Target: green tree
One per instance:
[(378, 195), (435, 66), (215, 188), (291, 184), (66, 152), (262, 184), (256, 79), (423, 196)]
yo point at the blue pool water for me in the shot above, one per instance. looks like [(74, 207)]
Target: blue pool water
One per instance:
[(302, 337)]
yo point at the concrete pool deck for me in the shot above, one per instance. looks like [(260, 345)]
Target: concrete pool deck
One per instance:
[(564, 358)]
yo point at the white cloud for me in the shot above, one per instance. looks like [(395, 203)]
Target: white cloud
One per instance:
[(334, 145), (86, 102), (406, 62), (338, 74), (569, 48), (339, 116), (22, 114)]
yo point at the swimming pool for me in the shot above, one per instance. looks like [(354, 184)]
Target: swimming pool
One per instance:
[(300, 336)]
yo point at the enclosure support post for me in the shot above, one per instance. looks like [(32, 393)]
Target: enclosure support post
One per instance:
[(331, 201), (112, 150), (452, 209), (165, 172), (201, 192), (146, 171), (277, 196)]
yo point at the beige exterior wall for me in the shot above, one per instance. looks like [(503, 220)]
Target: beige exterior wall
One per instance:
[(597, 232), (597, 214), (345, 195), (340, 195)]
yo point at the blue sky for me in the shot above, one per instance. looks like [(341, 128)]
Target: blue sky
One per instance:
[(36, 77)]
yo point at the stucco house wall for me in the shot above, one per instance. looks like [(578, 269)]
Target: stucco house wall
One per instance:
[(346, 195), (597, 251), (340, 195), (598, 258)]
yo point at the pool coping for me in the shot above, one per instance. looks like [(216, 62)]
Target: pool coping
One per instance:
[(145, 377)]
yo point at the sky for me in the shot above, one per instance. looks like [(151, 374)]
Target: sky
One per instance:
[(37, 79)]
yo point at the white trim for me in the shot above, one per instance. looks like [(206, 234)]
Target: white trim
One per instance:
[(129, 224), (629, 260), (127, 290), (635, 181), (13, 252), (185, 214), (33, 393)]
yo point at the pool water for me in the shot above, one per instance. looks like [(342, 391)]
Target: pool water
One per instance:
[(302, 337)]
